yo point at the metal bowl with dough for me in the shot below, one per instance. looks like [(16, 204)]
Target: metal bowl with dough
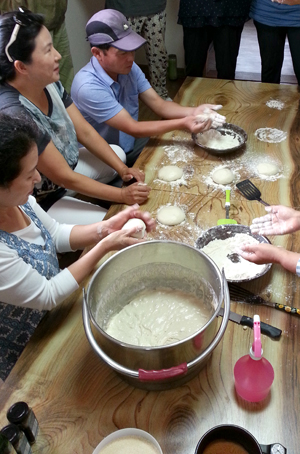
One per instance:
[(227, 129), (151, 265), (222, 232)]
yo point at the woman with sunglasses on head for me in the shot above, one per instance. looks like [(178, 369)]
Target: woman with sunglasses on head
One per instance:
[(29, 82), (29, 239)]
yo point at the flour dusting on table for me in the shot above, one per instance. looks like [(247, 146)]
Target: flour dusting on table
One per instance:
[(275, 104), (270, 135)]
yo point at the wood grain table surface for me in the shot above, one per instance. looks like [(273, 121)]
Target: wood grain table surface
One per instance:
[(78, 399)]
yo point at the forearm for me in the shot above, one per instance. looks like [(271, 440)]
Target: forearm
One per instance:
[(169, 110), (86, 264), (82, 236), (88, 186), (154, 128), (288, 259)]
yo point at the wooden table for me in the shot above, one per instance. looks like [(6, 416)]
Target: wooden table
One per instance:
[(78, 400)]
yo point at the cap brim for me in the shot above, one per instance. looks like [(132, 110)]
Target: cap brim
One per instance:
[(129, 43)]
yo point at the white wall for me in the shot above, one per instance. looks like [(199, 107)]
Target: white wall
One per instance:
[(80, 11)]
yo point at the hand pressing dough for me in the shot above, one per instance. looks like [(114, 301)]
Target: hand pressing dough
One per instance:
[(223, 176), (170, 173), (267, 168), (138, 223), (170, 215)]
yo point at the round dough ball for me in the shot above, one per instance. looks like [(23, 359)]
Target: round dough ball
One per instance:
[(267, 168), (135, 222), (170, 215), (223, 176), (170, 173)]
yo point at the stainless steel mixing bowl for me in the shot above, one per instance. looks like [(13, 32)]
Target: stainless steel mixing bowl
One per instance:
[(145, 266)]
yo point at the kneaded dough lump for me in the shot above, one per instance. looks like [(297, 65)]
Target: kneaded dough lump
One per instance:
[(170, 173), (170, 215), (223, 176), (135, 222), (267, 168)]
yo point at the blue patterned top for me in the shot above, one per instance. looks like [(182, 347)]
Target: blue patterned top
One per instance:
[(17, 324)]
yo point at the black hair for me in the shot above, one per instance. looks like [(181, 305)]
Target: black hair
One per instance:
[(17, 137), (23, 46)]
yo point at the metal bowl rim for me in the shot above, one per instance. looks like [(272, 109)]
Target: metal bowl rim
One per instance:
[(160, 347)]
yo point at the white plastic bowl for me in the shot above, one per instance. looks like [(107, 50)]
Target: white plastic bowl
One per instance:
[(131, 432)]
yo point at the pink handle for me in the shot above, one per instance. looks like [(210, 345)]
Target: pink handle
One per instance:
[(163, 374), (256, 347)]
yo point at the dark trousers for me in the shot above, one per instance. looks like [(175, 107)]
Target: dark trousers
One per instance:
[(226, 40), (271, 42)]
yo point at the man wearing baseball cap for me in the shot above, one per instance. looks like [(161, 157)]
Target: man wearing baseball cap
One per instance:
[(107, 90)]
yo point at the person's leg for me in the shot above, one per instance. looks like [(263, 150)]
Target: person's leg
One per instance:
[(271, 42), (294, 42), (132, 156), (61, 44), (69, 210), (153, 29), (226, 41), (196, 42), (92, 167)]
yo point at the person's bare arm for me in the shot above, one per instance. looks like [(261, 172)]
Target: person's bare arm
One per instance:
[(90, 138), (53, 165)]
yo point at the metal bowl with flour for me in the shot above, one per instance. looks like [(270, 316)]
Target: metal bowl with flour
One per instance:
[(222, 140), (147, 266), (224, 232)]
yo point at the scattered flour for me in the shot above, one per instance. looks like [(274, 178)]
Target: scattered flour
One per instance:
[(275, 104), (219, 250), (271, 135)]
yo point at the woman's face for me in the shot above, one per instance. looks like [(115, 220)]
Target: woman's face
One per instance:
[(22, 186), (44, 66)]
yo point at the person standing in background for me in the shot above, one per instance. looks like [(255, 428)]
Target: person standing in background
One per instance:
[(274, 21), (148, 19), (219, 22), (54, 12)]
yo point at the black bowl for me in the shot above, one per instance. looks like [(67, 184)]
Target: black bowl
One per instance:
[(222, 232), (226, 129)]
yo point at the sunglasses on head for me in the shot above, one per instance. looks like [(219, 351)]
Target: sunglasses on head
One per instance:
[(21, 19)]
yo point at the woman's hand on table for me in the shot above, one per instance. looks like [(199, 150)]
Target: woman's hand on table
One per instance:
[(128, 173), (279, 221), (261, 253), (135, 193)]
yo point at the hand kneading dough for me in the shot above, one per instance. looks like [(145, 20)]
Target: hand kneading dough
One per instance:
[(223, 176), (170, 215), (136, 223), (170, 173), (268, 169)]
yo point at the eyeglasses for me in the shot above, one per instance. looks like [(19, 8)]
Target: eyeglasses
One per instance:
[(21, 19)]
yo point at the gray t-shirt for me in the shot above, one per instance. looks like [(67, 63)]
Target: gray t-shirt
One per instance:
[(137, 7)]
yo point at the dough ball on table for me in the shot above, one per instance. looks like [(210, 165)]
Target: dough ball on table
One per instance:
[(223, 176), (170, 173), (170, 215), (268, 169), (135, 222)]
